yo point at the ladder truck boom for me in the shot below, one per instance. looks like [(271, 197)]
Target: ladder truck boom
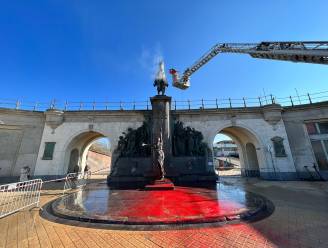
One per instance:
[(315, 52)]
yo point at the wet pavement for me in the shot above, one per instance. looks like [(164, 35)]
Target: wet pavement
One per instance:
[(299, 220)]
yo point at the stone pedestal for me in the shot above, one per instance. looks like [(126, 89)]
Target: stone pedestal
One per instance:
[(161, 106), (164, 184)]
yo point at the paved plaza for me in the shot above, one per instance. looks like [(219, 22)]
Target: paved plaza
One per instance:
[(299, 220)]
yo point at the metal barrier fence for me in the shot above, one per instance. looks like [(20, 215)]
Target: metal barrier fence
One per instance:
[(218, 103), (20, 195), (17, 196), (75, 181)]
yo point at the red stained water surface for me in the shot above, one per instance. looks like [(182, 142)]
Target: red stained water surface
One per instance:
[(182, 205), (177, 205)]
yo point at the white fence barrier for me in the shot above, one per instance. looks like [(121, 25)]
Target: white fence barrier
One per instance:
[(16, 196), (75, 180)]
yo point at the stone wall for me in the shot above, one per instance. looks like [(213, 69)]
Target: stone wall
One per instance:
[(23, 135), (76, 130), (20, 136), (252, 125)]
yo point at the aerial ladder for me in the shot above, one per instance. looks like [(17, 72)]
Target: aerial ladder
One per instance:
[(315, 52)]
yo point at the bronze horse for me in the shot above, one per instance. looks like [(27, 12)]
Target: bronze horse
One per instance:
[(160, 80), (161, 84)]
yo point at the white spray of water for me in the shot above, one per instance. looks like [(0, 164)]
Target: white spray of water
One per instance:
[(161, 71), (150, 58)]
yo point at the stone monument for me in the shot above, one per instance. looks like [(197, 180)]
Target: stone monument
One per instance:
[(160, 131), (162, 149)]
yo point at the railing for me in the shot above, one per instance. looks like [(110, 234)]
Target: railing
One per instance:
[(17, 196), (74, 106), (75, 180), (226, 103), (217, 103)]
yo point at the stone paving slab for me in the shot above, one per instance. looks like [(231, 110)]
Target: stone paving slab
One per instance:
[(299, 220)]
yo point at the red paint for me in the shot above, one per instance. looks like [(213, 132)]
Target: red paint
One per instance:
[(98, 203), (179, 205)]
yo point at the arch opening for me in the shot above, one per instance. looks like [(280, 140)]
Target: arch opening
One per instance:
[(236, 152), (89, 151)]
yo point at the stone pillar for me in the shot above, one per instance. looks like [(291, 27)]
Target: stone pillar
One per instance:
[(161, 106)]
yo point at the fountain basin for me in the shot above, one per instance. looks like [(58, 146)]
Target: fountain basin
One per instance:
[(183, 205)]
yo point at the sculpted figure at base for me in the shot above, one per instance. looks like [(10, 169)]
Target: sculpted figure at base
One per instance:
[(187, 141), (130, 143), (160, 156)]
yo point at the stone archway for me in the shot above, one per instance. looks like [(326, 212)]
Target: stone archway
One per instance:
[(77, 150), (249, 148)]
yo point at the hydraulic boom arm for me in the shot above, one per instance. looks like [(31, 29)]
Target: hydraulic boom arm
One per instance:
[(296, 51)]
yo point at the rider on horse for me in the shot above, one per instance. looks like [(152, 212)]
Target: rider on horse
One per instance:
[(160, 80)]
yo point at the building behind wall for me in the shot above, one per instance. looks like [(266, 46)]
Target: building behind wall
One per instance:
[(307, 129), (225, 148)]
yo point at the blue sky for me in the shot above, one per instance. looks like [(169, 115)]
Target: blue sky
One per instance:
[(105, 50), (220, 137)]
